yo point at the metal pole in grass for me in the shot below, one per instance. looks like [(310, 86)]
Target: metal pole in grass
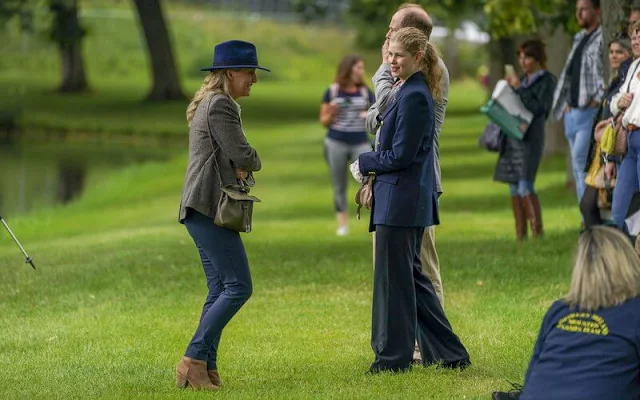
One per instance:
[(29, 260)]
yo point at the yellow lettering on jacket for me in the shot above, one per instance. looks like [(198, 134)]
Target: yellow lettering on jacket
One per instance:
[(591, 324)]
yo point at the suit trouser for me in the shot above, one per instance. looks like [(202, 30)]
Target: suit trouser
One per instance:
[(429, 260), (405, 305)]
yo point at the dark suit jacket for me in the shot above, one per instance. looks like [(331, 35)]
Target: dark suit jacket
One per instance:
[(215, 136), (404, 192)]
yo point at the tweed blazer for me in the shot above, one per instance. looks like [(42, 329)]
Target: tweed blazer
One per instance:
[(215, 136)]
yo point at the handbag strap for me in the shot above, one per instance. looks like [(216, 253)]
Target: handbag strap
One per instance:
[(632, 75), (213, 148), (607, 181)]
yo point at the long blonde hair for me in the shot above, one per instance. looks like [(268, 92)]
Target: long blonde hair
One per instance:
[(414, 40), (214, 82), (606, 272)]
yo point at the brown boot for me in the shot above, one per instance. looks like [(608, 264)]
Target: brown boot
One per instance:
[(538, 212), (214, 377), (191, 372), (520, 217), (534, 214)]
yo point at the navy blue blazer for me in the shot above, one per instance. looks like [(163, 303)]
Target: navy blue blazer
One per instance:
[(404, 191)]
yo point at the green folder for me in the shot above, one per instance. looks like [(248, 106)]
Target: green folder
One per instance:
[(510, 125)]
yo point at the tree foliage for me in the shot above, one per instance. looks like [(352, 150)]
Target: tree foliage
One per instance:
[(516, 17), (66, 29), (371, 17)]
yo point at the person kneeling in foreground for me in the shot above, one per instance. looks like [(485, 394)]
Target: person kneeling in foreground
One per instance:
[(589, 343)]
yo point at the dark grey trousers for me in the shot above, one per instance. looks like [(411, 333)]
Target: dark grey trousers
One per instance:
[(405, 305)]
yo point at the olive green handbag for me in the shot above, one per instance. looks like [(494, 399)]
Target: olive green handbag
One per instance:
[(235, 207)]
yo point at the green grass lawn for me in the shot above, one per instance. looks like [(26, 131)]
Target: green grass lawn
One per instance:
[(119, 287)]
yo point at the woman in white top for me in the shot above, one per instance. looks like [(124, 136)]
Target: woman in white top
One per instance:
[(628, 178)]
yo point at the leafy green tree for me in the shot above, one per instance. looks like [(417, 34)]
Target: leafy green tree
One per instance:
[(371, 18)]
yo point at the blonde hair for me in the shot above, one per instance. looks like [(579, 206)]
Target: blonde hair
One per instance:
[(214, 82), (606, 272), (633, 27), (413, 40)]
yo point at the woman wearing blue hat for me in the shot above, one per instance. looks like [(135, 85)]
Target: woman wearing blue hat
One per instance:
[(219, 155)]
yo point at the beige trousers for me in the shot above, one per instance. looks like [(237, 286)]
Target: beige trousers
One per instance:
[(428, 258)]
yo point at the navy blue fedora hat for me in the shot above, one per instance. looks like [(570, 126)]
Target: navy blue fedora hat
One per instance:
[(234, 54)]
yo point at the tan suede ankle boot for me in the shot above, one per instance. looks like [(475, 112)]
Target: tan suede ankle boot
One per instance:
[(191, 372), (214, 377)]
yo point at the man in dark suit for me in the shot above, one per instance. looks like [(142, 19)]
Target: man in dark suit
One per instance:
[(404, 203)]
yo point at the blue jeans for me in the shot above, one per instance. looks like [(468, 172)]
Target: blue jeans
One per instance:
[(627, 180), (522, 188), (228, 278), (578, 124)]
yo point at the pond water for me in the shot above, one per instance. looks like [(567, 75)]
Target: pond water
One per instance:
[(40, 173)]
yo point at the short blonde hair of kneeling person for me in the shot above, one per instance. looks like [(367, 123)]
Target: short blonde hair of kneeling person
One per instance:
[(606, 271)]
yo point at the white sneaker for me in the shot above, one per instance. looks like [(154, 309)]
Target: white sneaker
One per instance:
[(342, 231)]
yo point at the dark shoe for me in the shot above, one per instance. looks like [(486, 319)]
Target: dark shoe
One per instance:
[(513, 394), (520, 217), (396, 370), (192, 372), (458, 364)]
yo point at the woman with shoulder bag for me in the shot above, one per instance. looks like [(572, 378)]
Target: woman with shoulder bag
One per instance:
[(343, 112), (519, 159), (219, 156), (601, 167), (625, 110)]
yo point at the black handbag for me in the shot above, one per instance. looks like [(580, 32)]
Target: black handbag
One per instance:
[(491, 138)]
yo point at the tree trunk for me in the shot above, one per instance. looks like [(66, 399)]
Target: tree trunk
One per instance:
[(73, 76), (558, 46), (502, 51), (615, 16), (68, 34), (166, 85), (451, 52)]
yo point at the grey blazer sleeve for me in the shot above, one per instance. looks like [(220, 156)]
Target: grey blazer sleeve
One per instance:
[(440, 109), (382, 86), (440, 106), (226, 128)]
